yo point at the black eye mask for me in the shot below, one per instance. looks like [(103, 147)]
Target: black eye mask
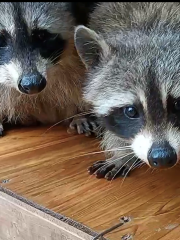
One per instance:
[(125, 122), (50, 45)]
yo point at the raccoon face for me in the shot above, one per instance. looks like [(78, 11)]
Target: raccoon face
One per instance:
[(32, 37), (133, 82)]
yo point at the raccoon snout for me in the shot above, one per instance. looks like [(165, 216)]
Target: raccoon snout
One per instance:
[(32, 83), (162, 156)]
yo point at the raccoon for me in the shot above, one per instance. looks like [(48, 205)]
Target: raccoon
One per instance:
[(41, 72), (132, 54)]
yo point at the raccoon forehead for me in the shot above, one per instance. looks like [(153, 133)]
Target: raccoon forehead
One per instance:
[(104, 104), (52, 16), (107, 89)]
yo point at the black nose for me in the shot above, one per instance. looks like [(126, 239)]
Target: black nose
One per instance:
[(31, 84), (162, 156)]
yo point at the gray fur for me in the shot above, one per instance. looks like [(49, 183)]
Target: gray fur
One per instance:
[(132, 53)]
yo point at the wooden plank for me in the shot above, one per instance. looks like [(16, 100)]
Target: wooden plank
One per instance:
[(21, 221), (51, 169)]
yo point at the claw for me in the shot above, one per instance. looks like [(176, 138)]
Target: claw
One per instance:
[(101, 172), (84, 124), (108, 170), (95, 167)]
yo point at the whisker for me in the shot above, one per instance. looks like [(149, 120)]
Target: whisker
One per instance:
[(55, 55), (100, 133), (113, 160), (122, 166), (148, 169), (104, 151), (55, 58), (152, 170), (138, 165), (129, 171), (77, 115), (104, 165), (143, 164)]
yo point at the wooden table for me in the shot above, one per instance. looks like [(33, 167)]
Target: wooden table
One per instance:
[(50, 168)]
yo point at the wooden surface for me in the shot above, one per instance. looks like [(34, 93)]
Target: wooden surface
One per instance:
[(50, 169)]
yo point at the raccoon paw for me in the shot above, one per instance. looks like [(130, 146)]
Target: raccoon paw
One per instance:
[(86, 124), (1, 130), (110, 169)]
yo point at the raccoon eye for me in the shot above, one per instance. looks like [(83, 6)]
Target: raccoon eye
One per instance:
[(40, 35), (177, 105), (131, 112), (3, 40)]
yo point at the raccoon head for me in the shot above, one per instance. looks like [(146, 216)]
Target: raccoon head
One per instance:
[(32, 37), (133, 82)]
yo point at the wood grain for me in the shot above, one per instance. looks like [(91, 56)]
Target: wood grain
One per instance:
[(50, 168)]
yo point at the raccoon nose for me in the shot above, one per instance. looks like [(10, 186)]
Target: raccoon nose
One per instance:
[(162, 156), (32, 84)]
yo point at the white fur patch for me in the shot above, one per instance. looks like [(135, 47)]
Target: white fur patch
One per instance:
[(164, 95), (14, 69), (173, 137), (42, 65), (10, 73), (142, 98), (141, 145)]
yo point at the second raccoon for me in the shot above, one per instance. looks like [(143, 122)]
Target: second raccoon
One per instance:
[(132, 53)]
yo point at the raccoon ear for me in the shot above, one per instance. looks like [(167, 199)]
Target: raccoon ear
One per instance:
[(90, 46)]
